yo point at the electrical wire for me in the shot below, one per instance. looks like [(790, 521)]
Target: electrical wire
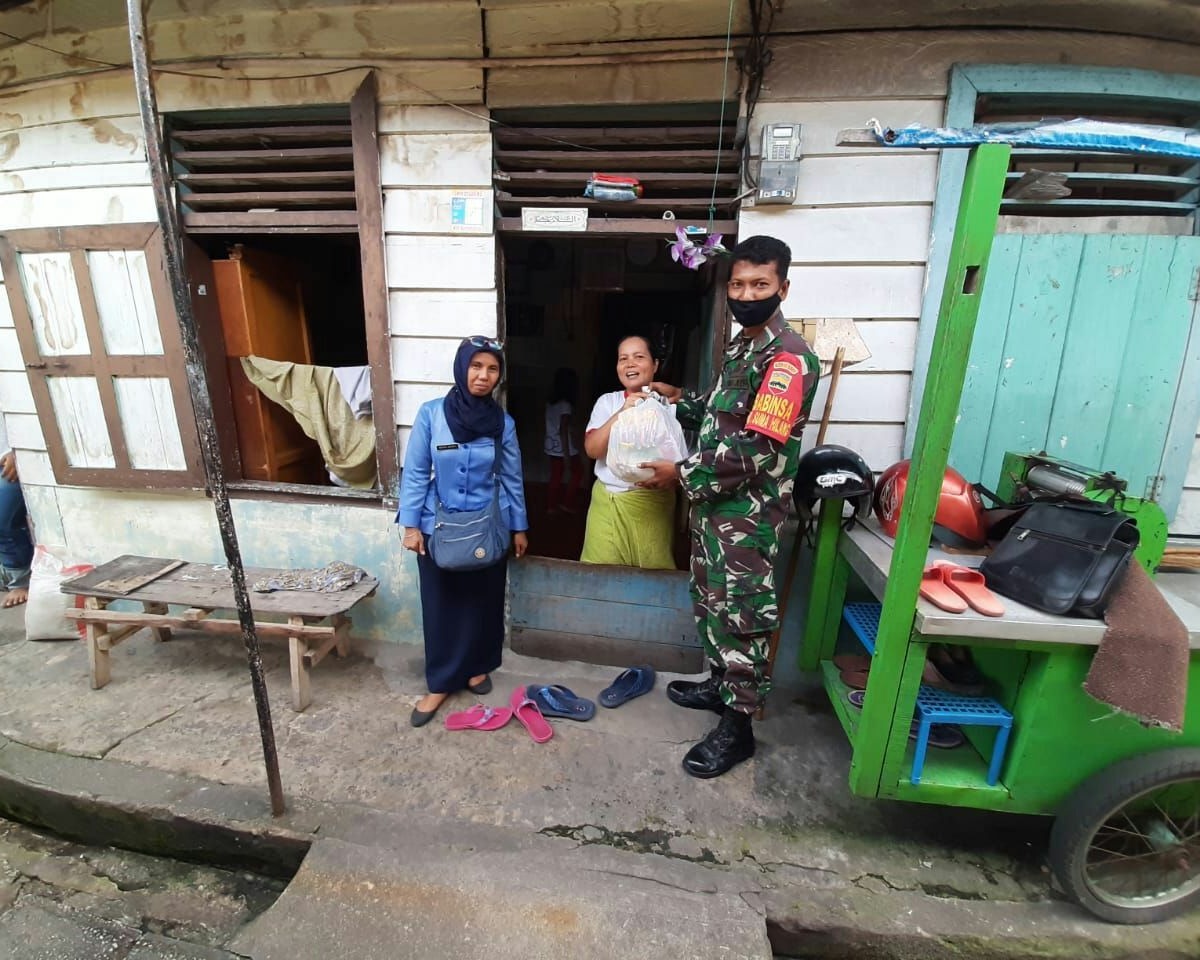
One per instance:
[(712, 200)]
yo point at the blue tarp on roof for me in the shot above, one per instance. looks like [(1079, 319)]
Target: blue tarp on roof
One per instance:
[(1077, 134)]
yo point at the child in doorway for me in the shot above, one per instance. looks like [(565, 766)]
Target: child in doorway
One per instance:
[(560, 444)]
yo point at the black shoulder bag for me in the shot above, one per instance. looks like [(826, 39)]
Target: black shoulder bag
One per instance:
[(1063, 558)]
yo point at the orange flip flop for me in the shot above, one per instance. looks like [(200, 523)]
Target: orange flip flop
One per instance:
[(971, 586), (935, 590)]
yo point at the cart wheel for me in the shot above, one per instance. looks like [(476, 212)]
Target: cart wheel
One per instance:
[(1126, 844)]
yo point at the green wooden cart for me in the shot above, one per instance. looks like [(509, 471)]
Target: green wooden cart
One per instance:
[(1126, 798)]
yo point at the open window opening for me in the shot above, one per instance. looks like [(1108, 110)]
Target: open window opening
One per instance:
[(568, 305), (1161, 191), (278, 210)]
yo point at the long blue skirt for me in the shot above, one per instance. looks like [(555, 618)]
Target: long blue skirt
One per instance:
[(463, 617)]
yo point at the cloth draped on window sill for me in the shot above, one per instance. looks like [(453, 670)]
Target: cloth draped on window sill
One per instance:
[(314, 397)]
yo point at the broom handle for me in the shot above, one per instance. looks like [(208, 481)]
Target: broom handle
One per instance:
[(835, 375)]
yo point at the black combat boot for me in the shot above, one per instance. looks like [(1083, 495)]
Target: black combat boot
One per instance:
[(698, 694), (727, 745)]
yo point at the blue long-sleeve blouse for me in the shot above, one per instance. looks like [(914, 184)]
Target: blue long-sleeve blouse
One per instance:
[(436, 466)]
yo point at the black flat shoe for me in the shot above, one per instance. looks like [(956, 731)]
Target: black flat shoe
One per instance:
[(727, 745), (419, 718), (697, 695), (483, 687)]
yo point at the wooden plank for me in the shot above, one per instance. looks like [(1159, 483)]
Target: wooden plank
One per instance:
[(830, 290), (543, 576), (423, 359), (114, 140), (441, 263), (651, 625), (1152, 366), (138, 620), (79, 414), (70, 208), (880, 444), (131, 173), (373, 258), (969, 444), (873, 179), (886, 234), (265, 135), (613, 136), (300, 668), (410, 396), (125, 302), (161, 634), (626, 83), (282, 199), (133, 572), (1187, 515), (207, 586), (1041, 305), (651, 180), (617, 206), (433, 160), (25, 433), (99, 664), (278, 219), (272, 229), (1085, 392), (822, 120), (290, 178), (15, 393), (881, 64), (866, 397), (622, 227), (892, 344), (442, 118), (451, 313), (265, 158), (148, 423), (55, 309), (615, 161), (551, 645)]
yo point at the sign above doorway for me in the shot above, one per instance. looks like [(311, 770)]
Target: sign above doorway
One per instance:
[(564, 219)]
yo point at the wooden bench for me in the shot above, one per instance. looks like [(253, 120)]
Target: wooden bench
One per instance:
[(201, 588)]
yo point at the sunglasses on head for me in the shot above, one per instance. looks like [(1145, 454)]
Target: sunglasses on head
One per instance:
[(486, 343)]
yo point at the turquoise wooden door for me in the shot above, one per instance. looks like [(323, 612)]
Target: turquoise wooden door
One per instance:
[(1082, 349)]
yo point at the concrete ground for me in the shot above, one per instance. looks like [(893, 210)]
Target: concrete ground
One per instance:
[(597, 838)]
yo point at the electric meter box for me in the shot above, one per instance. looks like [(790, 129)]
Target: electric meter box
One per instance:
[(779, 164)]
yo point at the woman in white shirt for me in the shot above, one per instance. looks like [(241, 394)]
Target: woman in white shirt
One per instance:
[(626, 525)]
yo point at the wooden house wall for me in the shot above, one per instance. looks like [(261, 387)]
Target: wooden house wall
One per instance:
[(860, 228)]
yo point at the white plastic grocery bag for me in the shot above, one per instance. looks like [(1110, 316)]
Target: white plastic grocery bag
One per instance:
[(46, 611), (647, 431)]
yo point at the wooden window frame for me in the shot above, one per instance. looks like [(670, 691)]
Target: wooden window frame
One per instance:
[(367, 223), (97, 363)]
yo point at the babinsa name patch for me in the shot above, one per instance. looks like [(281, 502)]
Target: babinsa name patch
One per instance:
[(778, 402)]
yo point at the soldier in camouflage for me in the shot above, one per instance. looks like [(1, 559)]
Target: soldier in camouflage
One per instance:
[(739, 481)]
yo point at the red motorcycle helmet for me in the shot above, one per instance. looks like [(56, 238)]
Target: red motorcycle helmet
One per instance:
[(958, 520)]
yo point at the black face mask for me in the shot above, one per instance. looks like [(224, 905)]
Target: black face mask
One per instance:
[(754, 313)]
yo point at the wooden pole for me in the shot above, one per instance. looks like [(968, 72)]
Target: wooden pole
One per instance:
[(197, 378), (839, 360)]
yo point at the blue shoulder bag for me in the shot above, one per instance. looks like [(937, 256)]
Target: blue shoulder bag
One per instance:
[(471, 539)]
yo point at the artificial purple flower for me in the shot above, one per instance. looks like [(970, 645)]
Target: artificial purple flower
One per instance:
[(685, 251)]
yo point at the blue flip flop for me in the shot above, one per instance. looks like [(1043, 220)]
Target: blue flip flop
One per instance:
[(629, 684), (555, 700)]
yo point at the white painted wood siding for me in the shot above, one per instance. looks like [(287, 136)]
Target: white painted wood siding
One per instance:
[(859, 233), (441, 281)]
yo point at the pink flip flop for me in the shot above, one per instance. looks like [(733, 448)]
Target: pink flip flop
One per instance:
[(934, 589), (971, 586), (479, 717), (530, 716)]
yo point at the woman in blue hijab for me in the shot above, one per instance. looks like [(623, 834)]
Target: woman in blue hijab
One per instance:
[(450, 455)]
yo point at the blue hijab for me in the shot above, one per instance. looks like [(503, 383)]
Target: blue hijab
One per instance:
[(470, 417)]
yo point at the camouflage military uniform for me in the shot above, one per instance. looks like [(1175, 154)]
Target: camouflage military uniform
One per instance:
[(740, 484)]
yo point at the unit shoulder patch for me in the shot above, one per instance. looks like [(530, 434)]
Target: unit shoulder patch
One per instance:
[(779, 401)]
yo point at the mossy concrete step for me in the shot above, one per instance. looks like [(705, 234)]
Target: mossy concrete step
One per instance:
[(438, 896)]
